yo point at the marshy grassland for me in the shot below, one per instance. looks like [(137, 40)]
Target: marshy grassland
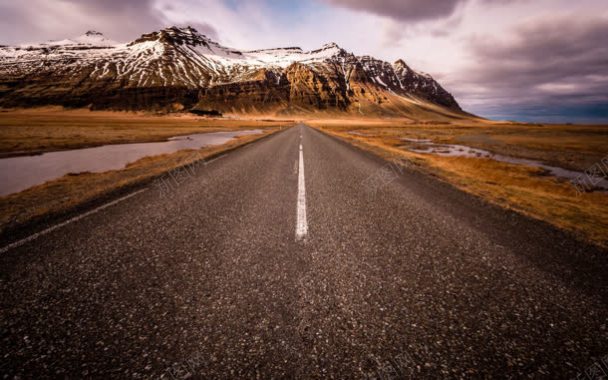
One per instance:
[(526, 189), (31, 131), (51, 129)]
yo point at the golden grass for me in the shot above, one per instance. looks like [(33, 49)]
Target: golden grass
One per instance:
[(70, 191), (520, 188), (569, 146), (525, 190), (53, 128), (511, 186)]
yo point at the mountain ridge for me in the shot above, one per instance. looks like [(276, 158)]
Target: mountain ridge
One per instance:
[(179, 68)]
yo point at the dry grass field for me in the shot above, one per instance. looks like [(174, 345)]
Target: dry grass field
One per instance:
[(29, 131), (51, 129), (526, 189)]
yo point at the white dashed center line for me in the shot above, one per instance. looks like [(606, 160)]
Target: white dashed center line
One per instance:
[(301, 223)]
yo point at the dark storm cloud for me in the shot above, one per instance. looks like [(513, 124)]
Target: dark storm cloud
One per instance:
[(408, 10), (553, 50), (402, 9), (546, 66)]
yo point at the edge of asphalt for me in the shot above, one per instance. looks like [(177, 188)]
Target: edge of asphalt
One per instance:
[(560, 252), (432, 179), (21, 231)]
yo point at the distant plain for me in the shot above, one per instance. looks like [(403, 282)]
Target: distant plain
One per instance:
[(526, 189)]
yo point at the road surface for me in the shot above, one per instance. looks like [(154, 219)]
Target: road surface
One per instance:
[(300, 256)]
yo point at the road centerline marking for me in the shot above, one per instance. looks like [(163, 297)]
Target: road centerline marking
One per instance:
[(301, 222)]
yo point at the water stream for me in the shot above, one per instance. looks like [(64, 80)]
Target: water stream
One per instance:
[(23, 172), (454, 150)]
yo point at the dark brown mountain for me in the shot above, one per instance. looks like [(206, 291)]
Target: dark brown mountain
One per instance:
[(178, 68)]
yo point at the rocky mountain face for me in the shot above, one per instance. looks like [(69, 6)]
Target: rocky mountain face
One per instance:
[(178, 68)]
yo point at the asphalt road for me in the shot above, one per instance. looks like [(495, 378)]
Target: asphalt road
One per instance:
[(396, 275)]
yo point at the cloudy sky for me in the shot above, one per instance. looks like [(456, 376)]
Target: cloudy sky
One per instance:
[(534, 60)]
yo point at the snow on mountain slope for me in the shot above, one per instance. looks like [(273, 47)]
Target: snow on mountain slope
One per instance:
[(287, 56), (90, 38), (180, 65)]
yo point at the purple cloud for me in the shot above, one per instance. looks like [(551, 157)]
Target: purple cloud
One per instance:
[(408, 10), (557, 62)]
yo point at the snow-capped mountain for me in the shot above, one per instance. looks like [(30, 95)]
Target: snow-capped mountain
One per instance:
[(177, 68)]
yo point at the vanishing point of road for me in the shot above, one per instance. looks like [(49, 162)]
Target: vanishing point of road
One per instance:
[(279, 260)]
